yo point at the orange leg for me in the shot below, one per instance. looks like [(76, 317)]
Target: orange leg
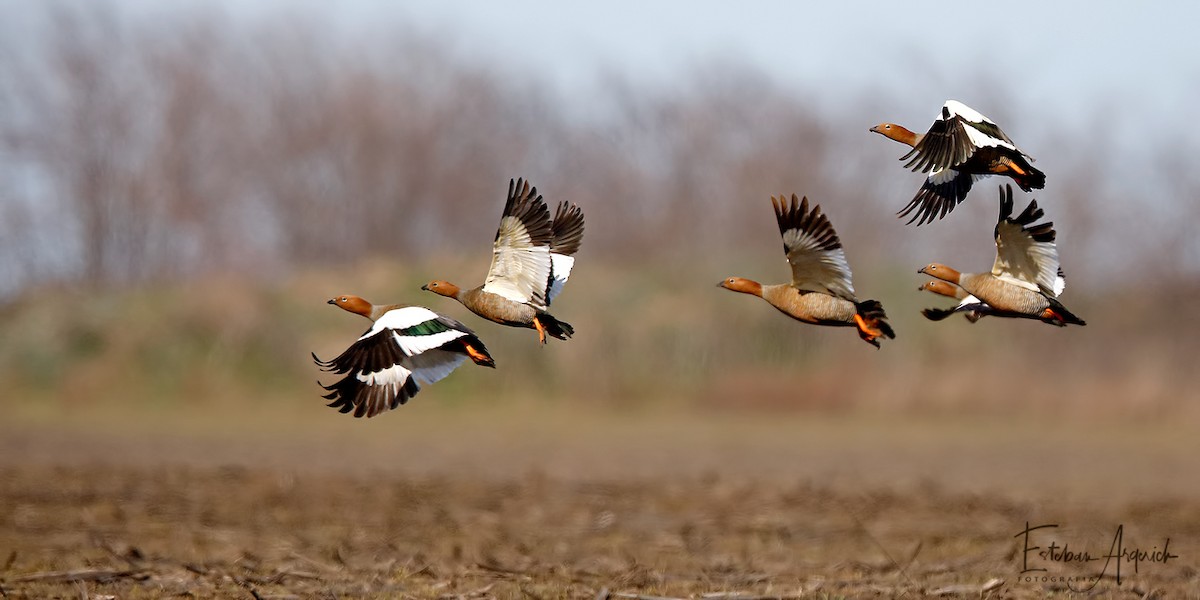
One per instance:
[(477, 356), (1012, 166), (541, 329), (1050, 315), (871, 332)]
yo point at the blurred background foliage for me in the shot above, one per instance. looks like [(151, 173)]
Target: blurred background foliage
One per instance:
[(179, 195)]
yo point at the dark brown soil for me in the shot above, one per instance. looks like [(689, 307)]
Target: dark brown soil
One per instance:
[(84, 518)]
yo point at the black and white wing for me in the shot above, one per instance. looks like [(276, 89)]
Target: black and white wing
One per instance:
[(942, 191), (956, 134), (567, 229), (521, 262), (407, 348), (972, 307), (813, 249), (1025, 253)]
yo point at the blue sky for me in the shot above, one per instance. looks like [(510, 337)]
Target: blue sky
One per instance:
[(1063, 55), (1063, 60), (1046, 71)]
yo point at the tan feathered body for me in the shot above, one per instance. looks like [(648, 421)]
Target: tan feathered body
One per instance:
[(497, 308), (1025, 279), (810, 307), (532, 257), (820, 292), (1002, 295)]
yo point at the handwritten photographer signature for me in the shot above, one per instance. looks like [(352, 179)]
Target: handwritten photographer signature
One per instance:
[(1117, 553)]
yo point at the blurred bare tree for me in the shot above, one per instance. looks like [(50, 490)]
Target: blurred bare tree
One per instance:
[(168, 151), (195, 142)]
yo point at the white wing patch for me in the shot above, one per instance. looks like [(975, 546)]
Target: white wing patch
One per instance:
[(562, 265), (401, 318), (1024, 262), (434, 366), (395, 375), (413, 345), (427, 369), (958, 108), (941, 176), (519, 270), (980, 139), (968, 301), (944, 176), (817, 270)]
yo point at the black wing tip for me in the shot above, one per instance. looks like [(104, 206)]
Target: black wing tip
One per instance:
[(567, 228), (797, 213), (527, 206), (1042, 232), (351, 394), (928, 205), (937, 314), (1006, 202), (520, 188), (366, 401), (785, 206), (1027, 216), (520, 192), (933, 202), (568, 210)]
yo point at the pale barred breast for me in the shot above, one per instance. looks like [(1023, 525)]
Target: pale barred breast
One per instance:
[(497, 308), (810, 307), (1002, 295)]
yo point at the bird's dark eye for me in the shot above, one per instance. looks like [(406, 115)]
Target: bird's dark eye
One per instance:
[(343, 299)]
